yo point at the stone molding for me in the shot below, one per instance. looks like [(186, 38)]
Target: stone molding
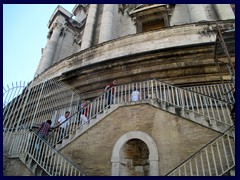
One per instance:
[(153, 152)]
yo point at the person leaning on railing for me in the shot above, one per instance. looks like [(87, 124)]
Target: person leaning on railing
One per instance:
[(42, 133), (44, 129)]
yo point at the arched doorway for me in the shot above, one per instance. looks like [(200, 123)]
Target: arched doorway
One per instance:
[(135, 154), (134, 157)]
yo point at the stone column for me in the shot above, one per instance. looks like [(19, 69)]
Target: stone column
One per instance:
[(48, 54), (224, 11), (38, 68), (89, 27), (107, 23), (196, 12)]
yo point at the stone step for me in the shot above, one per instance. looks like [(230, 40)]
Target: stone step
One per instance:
[(218, 126)]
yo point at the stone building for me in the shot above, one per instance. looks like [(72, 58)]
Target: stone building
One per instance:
[(179, 56)]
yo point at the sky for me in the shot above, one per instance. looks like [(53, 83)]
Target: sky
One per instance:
[(24, 35)]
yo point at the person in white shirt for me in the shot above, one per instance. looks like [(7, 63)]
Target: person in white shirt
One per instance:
[(85, 111), (63, 126), (135, 95)]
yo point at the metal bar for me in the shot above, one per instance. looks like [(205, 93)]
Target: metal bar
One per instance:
[(202, 164), (190, 166), (231, 149), (225, 50), (219, 156), (196, 166), (37, 103), (214, 160), (208, 163), (225, 152)]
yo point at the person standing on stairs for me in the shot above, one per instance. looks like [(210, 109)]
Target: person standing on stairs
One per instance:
[(109, 93), (64, 126), (42, 133), (135, 95), (44, 129), (84, 112)]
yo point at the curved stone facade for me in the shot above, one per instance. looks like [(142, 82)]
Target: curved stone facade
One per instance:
[(180, 55), (129, 43)]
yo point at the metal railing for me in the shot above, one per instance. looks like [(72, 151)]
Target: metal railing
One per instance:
[(215, 159), (33, 104), (50, 99), (218, 91), (50, 160), (206, 106), (212, 109)]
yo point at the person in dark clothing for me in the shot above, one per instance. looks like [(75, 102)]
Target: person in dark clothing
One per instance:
[(43, 134), (44, 129)]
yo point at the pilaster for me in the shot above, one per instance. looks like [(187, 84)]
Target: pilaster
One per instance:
[(89, 27), (107, 23), (224, 11), (48, 54), (196, 12)]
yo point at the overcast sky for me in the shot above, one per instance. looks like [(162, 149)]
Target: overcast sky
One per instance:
[(24, 34)]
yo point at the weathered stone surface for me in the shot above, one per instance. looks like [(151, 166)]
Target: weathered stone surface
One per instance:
[(176, 138), (181, 55), (15, 167)]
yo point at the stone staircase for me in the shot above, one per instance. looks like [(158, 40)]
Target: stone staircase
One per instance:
[(43, 167), (41, 158), (186, 114), (82, 129), (189, 115), (221, 166), (217, 158), (153, 94)]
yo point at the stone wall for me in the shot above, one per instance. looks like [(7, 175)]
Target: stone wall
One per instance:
[(176, 138), (66, 44), (15, 167), (180, 55), (121, 22)]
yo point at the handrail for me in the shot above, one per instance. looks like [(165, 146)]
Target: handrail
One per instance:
[(216, 91), (205, 105), (196, 102), (208, 96), (208, 107), (45, 155), (205, 146), (80, 110)]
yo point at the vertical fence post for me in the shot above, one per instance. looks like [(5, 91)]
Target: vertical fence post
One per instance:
[(24, 105), (37, 104)]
